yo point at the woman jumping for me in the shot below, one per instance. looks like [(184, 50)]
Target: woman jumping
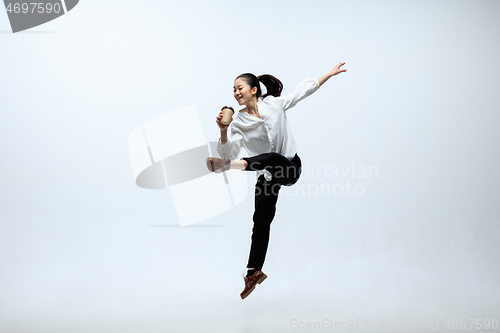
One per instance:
[(262, 128)]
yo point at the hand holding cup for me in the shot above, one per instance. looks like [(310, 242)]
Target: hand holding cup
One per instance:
[(225, 117)]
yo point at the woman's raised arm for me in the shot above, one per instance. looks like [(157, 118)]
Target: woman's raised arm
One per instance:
[(331, 73)]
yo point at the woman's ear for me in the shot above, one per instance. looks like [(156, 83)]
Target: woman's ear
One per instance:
[(254, 91)]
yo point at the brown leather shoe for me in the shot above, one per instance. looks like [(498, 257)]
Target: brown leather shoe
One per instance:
[(251, 282), (218, 165)]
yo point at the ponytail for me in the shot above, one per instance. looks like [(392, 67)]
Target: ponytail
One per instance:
[(272, 84)]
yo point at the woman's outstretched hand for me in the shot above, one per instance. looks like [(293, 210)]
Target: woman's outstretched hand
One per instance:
[(331, 73), (337, 69)]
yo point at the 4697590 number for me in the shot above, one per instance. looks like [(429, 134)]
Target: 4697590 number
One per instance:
[(471, 323), (33, 7)]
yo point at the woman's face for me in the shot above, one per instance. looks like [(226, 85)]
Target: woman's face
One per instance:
[(242, 92)]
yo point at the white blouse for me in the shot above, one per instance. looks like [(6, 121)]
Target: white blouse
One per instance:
[(270, 132)]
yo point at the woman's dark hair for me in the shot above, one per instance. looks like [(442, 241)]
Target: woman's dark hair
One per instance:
[(273, 85)]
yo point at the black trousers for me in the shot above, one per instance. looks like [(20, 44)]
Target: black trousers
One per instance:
[(285, 172)]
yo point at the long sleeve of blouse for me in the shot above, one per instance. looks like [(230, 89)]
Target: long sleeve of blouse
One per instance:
[(231, 148), (303, 90)]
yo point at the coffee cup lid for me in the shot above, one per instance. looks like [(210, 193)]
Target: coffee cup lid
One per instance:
[(227, 107)]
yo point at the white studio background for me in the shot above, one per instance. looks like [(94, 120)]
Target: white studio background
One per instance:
[(83, 249)]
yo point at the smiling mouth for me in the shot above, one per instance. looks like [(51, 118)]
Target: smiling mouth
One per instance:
[(239, 98)]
